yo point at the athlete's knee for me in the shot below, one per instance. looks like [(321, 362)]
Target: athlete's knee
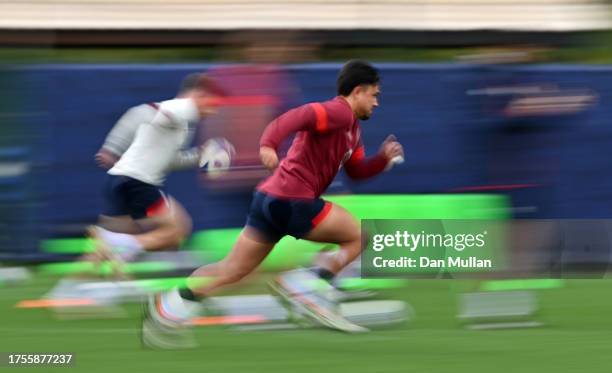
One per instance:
[(183, 229), (182, 221), (176, 229), (179, 218), (176, 233), (171, 234), (168, 236), (174, 239)]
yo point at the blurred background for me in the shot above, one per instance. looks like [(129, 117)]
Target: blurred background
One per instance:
[(503, 109)]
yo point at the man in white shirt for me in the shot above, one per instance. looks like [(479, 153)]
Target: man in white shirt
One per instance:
[(147, 143)]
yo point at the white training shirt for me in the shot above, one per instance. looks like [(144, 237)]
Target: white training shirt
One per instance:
[(157, 145), (123, 132)]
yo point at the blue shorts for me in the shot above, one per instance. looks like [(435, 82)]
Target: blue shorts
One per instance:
[(278, 217), (127, 196)]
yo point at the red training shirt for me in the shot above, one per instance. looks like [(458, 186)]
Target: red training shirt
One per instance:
[(328, 136)]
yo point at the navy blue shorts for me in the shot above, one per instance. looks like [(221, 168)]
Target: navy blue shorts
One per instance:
[(277, 217), (127, 196)]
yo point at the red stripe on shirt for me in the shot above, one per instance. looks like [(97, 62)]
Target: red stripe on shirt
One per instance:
[(322, 122), (358, 155)]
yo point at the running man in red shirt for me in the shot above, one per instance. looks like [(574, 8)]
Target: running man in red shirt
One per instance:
[(328, 137)]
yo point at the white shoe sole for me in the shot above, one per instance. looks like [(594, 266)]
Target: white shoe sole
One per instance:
[(162, 336), (320, 315)]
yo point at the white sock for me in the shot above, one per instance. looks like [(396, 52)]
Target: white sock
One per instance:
[(126, 245), (177, 308)]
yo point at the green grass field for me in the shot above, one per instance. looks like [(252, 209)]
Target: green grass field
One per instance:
[(577, 337)]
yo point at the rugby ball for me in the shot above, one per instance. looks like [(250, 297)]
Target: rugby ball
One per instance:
[(216, 156)]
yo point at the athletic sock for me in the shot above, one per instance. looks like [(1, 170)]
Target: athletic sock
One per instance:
[(124, 244), (189, 295), (176, 307), (323, 273)]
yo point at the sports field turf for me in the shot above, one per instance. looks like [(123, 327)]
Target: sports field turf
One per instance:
[(577, 337)]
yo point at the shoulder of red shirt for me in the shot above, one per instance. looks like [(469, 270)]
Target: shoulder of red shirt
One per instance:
[(336, 110)]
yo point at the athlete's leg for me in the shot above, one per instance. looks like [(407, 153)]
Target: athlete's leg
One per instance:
[(167, 313), (248, 252), (310, 290), (165, 230), (254, 243), (119, 224), (338, 227)]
